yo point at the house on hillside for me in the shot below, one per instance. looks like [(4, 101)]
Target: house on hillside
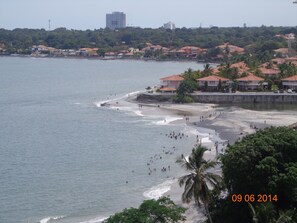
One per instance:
[(269, 72), (278, 61), (172, 81), (216, 70), (213, 82), (290, 82), (250, 82), (191, 51), (282, 52), (291, 59), (231, 49), (151, 49), (240, 66)]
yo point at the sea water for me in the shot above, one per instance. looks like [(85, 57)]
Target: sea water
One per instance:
[(65, 159)]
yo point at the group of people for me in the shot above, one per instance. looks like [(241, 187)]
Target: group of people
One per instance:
[(157, 157), (173, 135)]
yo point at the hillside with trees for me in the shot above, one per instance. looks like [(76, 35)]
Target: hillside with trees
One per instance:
[(255, 40)]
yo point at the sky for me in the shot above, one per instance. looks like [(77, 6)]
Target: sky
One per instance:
[(90, 14)]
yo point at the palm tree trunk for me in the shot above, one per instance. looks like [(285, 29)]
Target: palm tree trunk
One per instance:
[(207, 213)]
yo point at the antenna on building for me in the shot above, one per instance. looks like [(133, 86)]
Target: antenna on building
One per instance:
[(49, 25)]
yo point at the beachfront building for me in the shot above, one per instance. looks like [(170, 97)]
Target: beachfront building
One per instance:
[(251, 82), (213, 82), (86, 52), (171, 82), (290, 82)]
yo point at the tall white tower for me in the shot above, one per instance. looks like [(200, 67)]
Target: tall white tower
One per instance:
[(290, 39)]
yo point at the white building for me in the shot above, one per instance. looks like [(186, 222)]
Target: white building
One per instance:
[(116, 20), (169, 25), (290, 82)]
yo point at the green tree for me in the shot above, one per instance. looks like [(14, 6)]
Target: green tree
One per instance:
[(261, 163), (184, 89), (287, 69), (162, 210), (207, 70), (265, 213), (197, 183)]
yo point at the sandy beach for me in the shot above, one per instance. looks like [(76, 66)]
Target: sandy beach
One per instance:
[(215, 123)]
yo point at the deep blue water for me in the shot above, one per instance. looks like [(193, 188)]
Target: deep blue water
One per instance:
[(61, 155)]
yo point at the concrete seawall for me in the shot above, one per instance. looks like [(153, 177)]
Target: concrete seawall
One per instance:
[(221, 98)]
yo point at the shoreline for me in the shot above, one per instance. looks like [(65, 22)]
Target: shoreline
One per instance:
[(108, 59), (223, 124), (228, 123)]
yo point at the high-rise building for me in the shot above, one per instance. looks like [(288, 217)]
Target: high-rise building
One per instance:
[(116, 20), (169, 25)]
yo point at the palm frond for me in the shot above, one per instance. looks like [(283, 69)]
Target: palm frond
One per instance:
[(182, 161), (208, 164), (183, 179), (213, 178), (188, 192), (198, 153)]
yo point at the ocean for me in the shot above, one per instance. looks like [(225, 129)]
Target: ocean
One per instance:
[(66, 159)]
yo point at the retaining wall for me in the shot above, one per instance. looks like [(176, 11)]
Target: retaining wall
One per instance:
[(218, 98)]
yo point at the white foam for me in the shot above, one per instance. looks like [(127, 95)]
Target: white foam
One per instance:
[(95, 220), (135, 110), (159, 190), (139, 113), (205, 140), (166, 120), (48, 219), (193, 131), (99, 103)]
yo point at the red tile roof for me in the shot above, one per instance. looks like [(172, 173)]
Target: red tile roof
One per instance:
[(292, 78), (240, 65), (212, 78), (215, 70), (278, 60), (232, 48), (167, 89), (250, 77), (173, 78), (269, 72), (291, 59), (282, 50)]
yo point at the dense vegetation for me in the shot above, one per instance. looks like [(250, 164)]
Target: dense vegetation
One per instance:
[(252, 38), (162, 210), (261, 163)]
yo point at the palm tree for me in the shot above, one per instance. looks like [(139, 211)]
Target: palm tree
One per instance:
[(197, 183), (266, 213), (207, 70)]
